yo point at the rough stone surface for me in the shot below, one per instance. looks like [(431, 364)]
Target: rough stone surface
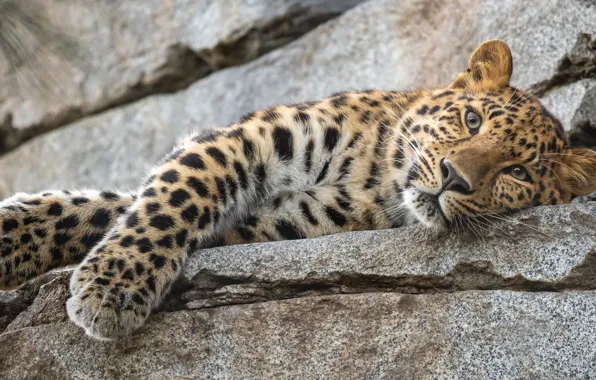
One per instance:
[(131, 49), (528, 252), (12, 304), (573, 105), (578, 63), (583, 125), (381, 43), (584, 121), (48, 305), (570, 91), (488, 335), (393, 304)]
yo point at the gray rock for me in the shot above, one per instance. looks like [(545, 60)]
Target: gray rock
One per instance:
[(583, 125), (476, 334), (545, 246), (501, 307), (376, 44), (48, 305), (117, 52), (578, 63), (584, 121), (572, 104), (530, 251), (14, 304), (569, 90)]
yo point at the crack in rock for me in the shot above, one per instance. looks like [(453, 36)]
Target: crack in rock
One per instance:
[(579, 63), (46, 295), (182, 67), (360, 263), (207, 289), (13, 304)]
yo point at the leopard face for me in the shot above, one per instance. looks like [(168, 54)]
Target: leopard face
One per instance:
[(482, 148)]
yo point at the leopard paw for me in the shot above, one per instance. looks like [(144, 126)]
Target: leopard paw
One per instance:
[(106, 300), (107, 314)]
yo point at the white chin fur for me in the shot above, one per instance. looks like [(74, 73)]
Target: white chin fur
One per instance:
[(422, 209)]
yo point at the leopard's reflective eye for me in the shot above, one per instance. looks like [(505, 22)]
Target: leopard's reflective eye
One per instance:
[(519, 172), (473, 121)]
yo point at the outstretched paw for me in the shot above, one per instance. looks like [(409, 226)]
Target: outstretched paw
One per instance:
[(107, 312), (111, 296)]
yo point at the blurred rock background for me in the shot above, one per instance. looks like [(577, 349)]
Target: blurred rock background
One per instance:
[(106, 88), (102, 89)]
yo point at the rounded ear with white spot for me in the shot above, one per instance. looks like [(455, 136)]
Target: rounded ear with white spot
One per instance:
[(489, 68), (577, 170)]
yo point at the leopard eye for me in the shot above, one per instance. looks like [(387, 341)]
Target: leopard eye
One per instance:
[(473, 121), (519, 172)]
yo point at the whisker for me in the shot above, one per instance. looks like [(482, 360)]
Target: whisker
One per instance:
[(570, 154), (556, 175), (516, 221), (493, 224), (563, 164)]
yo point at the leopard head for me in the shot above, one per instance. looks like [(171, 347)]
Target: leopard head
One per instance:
[(482, 147)]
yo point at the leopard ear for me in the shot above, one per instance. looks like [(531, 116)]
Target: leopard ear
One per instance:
[(489, 68), (577, 170)]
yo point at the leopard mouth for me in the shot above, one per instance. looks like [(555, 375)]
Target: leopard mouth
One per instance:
[(426, 208)]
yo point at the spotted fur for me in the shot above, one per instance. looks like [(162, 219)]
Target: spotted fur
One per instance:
[(355, 161)]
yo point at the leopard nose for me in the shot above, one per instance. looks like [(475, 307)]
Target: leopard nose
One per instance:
[(452, 180)]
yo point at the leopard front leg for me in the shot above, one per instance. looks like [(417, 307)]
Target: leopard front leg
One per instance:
[(52, 229), (202, 188)]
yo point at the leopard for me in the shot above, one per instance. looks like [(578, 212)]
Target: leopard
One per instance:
[(361, 160)]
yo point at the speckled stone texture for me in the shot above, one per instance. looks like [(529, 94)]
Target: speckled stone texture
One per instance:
[(544, 245), (473, 334), (378, 304)]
